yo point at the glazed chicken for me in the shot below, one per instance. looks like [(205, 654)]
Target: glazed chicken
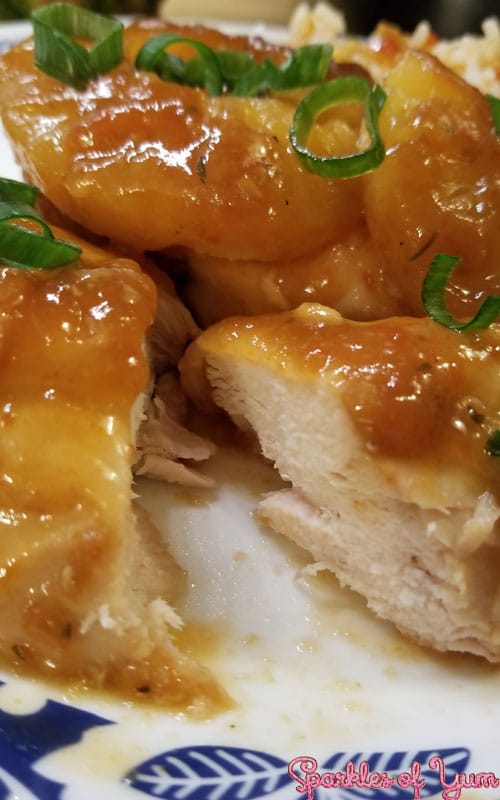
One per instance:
[(154, 165), (380, 428), (86, 583), (437, 191), (213, 182), (376, 415)]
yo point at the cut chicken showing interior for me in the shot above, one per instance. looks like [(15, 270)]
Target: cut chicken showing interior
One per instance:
[(381, 428), (173, 326), (165, 449), (86, 583)]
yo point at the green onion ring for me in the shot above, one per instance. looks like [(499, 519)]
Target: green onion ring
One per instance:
[(232, 70), (495, 111), (17, 210), (433, 298), (234, 64), (348, 89), (152, 58), (24, 248), (306, 66), (56, 28), (492, 447), (17, 191)]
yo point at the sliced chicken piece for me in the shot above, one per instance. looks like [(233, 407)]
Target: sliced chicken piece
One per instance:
[(153, 164), (164, 444), (380, 429), (347, 275), (157, 166), (173, 326), (86, 583), (437, 191)]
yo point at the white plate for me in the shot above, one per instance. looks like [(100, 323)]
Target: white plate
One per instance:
[(312, 673)]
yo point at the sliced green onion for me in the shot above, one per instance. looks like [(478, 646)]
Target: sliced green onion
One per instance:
[(306, 66), (14, 10), (58, 26), (232, 70), (348, 89), (20, 246), (16, 210), (495, 111), (201, 71), (433, 298), (17, 191), (492, 447), (234, 64)]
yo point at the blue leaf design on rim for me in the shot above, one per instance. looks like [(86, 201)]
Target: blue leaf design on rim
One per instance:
[(26, 738), (211, 773), (231, 773)]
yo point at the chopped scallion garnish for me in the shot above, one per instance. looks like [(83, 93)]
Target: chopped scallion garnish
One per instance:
[(348, 89), (10, 210), (495, 111), (234, 64), (203, 70), (17, 191), (305, 67), (233, 71), (59, 29), (21, 246), (493, 444), (433, 298)]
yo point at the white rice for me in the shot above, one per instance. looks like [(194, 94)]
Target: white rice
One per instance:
[(475, 57)]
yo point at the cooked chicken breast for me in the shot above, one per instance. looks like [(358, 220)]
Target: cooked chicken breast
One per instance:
[(213, 180), (380, 429), (153, 164), (86, 584), (437, 191)]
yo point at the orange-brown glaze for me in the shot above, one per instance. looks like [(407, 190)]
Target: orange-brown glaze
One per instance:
[(153, 164), (71, 367), (69, 337), (438, 190), (79, 575), (379, 51), (415, 390), (347, 275), (159, 166)]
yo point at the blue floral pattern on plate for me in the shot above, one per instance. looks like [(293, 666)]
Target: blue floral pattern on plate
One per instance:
[(24, 739), (204, 772)]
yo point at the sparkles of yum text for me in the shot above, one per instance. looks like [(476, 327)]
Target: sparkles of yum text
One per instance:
[(304, 771)]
